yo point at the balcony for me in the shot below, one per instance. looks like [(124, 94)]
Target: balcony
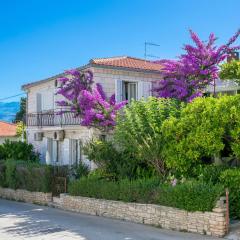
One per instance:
[(47, 119)]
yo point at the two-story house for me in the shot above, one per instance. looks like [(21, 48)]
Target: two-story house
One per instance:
[(59, 138)]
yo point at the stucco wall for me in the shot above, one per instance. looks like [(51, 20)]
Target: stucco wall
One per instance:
[(74, 132)]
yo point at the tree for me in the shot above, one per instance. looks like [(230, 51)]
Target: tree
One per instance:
[(21, 130), (231, 70), (188, 76), (91, 104), (22, 111), (139, 130), (207, 130)]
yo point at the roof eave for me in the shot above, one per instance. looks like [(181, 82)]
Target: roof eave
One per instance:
[(25, 87)]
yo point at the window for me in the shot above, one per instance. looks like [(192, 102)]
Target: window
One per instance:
[(39, 102), (129, 91), (75, 151)]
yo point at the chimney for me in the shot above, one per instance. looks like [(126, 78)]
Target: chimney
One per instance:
[(233, 56)]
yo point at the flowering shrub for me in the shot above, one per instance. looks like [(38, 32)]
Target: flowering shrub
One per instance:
[(91, 104), (187, 77)]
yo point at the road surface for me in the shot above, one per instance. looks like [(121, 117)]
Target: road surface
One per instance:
[(20, 221)]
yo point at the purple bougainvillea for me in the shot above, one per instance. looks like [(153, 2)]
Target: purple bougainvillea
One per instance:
[(91, 104), (188, 76)]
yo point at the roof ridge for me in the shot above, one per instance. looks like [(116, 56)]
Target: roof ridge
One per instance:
[(122, 57)]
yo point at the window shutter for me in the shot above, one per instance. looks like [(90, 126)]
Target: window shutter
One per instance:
[(140, 93), (118, 90), (147, 89), (49, 152), (39, 102)]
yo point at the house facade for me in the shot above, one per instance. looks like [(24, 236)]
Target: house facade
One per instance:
[(59, 138)]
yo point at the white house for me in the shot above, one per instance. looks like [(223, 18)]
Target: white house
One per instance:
[(59, 139)]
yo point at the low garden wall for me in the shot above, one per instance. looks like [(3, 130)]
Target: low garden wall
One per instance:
[(26, 196), (209, 223)]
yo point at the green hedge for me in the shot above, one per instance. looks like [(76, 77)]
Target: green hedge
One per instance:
[(231, 179), (18, 150), (191, 196), (23, 175)]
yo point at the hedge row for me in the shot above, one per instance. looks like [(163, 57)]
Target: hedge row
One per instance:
[(25, 175), (191, 195)]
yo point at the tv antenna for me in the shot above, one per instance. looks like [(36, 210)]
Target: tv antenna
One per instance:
[(146, 54)]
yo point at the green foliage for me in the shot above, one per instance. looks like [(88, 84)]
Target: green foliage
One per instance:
[(230, 178), (21, 130), (116, 163), (21, 113), (208, 173), (11, 180), (139, 130), (18, 151), (26, 175), (231, 70), (192, 196), (208, 129), (2, 174), (81, 170)]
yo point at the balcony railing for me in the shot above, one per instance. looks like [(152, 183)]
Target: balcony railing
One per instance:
[(52, 119)]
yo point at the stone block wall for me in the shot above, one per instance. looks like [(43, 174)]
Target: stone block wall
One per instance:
[(26, 196), (209, 223)]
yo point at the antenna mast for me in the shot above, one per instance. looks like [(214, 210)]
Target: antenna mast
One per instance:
[(146, 44)]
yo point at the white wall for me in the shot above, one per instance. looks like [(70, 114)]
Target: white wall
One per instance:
[(107, 77)]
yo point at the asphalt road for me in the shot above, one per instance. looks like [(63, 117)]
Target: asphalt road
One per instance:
[(33, 222)]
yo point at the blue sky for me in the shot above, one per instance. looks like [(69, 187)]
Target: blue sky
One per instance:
[(41, 38)]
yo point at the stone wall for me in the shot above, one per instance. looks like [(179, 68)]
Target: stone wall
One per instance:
[(209, 223), (26, 196)]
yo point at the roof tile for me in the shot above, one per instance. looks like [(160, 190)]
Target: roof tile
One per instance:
[(8, 129), (127, 62)]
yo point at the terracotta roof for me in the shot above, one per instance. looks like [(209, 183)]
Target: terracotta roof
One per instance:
[(8, 129), (127, 62)]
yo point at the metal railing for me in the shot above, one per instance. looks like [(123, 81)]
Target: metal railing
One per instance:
[(52, 118)]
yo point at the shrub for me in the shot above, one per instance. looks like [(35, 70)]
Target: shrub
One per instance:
[(29, 176), (2, 174), (207, 130), (18, 151), (138, 130), (230, 178), (11, 180), (78, 171), (191, 196), (116, 163)]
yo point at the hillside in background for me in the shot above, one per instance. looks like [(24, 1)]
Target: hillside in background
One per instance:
[(8, 110)]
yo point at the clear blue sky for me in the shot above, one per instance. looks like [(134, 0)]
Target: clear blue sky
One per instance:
[(40, 38)]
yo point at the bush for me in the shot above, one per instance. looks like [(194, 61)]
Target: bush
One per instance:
[(191, 196), (29, 176), (18, 151), (2, 174), (139, 130), (116, 163), (207, 131), (231, 179)]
